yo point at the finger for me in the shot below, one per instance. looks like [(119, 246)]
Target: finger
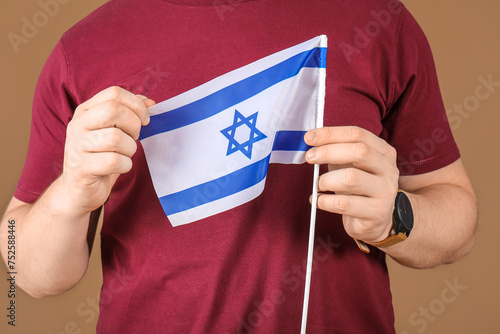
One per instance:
[(122, 96), (360, 155), (332, 167), (106, 163), (110, 114), (147, 101), (352, 181), (110, 140), (360, 207), (346, 134)]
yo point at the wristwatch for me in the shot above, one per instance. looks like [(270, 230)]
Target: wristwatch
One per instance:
[(402, 218)]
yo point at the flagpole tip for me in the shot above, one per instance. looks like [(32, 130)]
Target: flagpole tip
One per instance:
[(323, 41)]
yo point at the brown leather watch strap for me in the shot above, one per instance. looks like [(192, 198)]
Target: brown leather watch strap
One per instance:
[(387, 242), (392, 240), (362, 246)]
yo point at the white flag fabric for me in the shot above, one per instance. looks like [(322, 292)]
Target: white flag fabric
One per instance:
[(208, 149)]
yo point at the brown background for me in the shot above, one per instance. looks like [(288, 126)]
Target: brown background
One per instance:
[(464, 37)]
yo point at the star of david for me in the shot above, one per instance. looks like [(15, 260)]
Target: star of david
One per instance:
[(255, 134)]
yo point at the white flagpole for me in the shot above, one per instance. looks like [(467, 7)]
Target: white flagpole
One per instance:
[(310, 250), (320, 105)]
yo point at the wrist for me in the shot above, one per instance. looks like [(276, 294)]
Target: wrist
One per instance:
[(61, 201), (390, 230), (402, 224)]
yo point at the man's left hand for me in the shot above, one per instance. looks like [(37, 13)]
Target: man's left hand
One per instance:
[(362, 179)]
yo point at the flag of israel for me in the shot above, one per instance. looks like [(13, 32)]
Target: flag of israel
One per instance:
[(208, 149)]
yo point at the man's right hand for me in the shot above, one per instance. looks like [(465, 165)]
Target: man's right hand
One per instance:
[(100, 141)]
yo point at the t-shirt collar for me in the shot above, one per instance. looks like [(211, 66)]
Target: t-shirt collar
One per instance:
[(207, 2)]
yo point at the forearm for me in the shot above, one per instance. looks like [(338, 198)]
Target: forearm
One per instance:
[(51, 242), (445, 222)]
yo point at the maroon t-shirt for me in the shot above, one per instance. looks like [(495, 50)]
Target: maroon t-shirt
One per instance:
[(241, 271)]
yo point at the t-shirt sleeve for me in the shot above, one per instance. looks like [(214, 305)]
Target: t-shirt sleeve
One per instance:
[(51, 113), (415, 122)]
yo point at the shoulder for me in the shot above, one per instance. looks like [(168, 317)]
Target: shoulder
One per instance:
[(105, 25), (94, 22), (368, 8), (97, 49)]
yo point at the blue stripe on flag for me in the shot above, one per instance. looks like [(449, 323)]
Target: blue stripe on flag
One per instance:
[(233, 94), (216, 189), (232, 183), (290, 141)]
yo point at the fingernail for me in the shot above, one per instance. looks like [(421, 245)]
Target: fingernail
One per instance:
[(310, 154), (310, 136)]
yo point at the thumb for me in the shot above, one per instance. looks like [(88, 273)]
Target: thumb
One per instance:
[(147, 101)]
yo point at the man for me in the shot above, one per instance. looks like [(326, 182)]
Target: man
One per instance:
[(242, 270)]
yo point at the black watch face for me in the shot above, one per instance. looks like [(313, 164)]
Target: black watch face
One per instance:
[(404, 212)]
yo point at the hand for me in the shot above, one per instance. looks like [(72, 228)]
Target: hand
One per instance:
[(100, 141), (363, 175)]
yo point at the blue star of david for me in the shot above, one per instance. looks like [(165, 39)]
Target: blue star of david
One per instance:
[(255, 134)]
